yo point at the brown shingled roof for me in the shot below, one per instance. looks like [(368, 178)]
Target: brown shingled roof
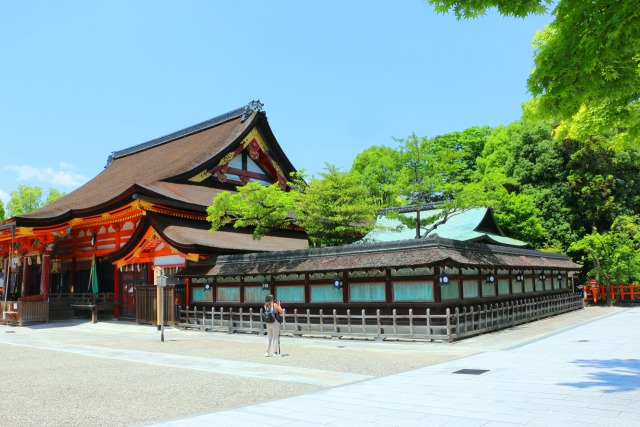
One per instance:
[(190, 194), (400, 254), (147, 167), (193, 235)]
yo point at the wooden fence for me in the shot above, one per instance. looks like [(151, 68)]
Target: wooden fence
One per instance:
[(598, 293), (20, 313), (456, 323), (147, 304)]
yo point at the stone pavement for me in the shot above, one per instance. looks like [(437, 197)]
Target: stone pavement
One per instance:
[(585, 375)]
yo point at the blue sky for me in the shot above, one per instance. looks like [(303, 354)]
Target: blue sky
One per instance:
[(81, 79)]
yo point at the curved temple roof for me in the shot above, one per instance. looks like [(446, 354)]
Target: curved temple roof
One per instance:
[(157, 168), (179, 175), (476, 225)]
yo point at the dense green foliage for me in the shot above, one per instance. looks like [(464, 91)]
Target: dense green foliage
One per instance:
[(2, 213), (378, 168), (564, 178), (582, 190), (27, 198), (613, 256), (555, 194), (475, 8), (254, 205), (587, 62), (333, 209), (422, 170), (547, 192)]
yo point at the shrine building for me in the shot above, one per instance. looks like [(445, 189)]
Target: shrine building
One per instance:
[(146, 209), (464, 262), (144, 215)]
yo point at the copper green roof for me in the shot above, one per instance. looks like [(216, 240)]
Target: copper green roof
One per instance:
[(475, 225)]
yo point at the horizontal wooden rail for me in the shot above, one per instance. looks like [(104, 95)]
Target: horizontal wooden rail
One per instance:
[(22, 313), (455, 324)]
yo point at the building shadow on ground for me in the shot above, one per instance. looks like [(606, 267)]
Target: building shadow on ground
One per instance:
[(616, 375)]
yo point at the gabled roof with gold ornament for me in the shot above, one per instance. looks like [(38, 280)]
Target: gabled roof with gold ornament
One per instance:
[(185, 169)]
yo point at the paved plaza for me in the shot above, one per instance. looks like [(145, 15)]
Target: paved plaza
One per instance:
[(580, 368), (587, 375)]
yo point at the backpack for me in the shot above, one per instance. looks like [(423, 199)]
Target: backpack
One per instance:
[(268, 316)]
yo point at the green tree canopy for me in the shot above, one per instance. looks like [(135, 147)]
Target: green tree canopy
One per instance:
[(614, 256), (336, 209), (466, 146), (586, 61), (439, 169), (265, 208), (574, 186), (476, 8), (29, 198), (333, 209), (378, 168)]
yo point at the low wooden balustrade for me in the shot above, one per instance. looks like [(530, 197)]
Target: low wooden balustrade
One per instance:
[(457, 323), (85, 301), (25, 311), (623, 292)]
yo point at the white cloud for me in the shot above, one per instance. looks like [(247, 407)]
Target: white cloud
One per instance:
[(63, 177), (65, 165)]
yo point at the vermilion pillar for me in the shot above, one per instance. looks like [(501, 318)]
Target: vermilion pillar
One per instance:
[(25, 276), (44, 278), (116, 291), (188, 292)]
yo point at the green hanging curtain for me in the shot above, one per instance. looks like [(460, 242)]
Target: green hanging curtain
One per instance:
[(93, 276)]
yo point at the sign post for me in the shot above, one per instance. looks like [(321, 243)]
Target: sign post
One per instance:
[(162, 284)]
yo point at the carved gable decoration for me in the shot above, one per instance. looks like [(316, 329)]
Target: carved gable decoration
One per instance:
[(249, 162)]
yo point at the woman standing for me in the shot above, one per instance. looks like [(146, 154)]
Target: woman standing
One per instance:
[(273, 326)]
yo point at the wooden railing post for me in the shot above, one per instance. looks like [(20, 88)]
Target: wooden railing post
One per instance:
[(460, 321), (411, 321), (283, 325), (491, 315), (465, 320), (230, 324), (472, 315), (395, 322), (457, 316)]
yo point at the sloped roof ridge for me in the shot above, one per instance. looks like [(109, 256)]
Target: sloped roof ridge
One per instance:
[(488, 216), (234, 114), (363, 248)]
